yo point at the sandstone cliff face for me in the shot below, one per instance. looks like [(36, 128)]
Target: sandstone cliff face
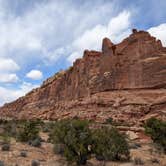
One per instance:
[(126, 77)]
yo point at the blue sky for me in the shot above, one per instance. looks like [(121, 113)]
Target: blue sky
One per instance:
[(40, 37)]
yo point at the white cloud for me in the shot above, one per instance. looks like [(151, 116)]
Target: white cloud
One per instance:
[(159, 32), (56, 54), (7, 69), (116, 30), (119, 24), (8, 65), (45, 30), (8, 95), (35, 75), (8, 78), (26, 87), (74, 56), (45, 27)]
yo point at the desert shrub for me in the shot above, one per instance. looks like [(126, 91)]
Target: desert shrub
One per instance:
[(9, 128), (23, 153), (157, 130), (109, 144), (59, 148), (5, 147), (45, 129), (58, 132), (2, 163), (3, 121), (5, 141), (35, 142), (47, 126), (35, 163), (109, 120), (138, 161), (76, 141), (5, 138), (28, 130), (75, 135), (155, 160)]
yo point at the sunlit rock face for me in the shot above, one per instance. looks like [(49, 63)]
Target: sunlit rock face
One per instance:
[(124, 81)]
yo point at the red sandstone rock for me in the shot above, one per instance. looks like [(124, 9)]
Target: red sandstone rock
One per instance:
[(123, 81)]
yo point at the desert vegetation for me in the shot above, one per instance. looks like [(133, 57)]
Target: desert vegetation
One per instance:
[(110, 144), (78, 141), (73, 139), (157, 130)]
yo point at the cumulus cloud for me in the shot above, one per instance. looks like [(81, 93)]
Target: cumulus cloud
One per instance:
[(116, 29), (8, 78), (8, 65), (159, 32), (45, 30), (45, 27), (35, 75)]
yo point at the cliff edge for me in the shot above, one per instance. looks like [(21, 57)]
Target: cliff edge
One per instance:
[(125, 81)]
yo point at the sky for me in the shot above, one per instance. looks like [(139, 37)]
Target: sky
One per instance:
[(41, 37)]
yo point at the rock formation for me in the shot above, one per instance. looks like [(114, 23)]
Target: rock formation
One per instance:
[(126, 81)]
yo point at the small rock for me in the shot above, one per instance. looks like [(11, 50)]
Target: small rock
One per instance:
[(132, 135), (35, 163), (23, 154)]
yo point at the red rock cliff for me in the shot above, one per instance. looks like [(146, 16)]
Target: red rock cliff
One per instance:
[(136, 66)]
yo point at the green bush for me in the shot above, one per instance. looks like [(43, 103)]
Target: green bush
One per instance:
[(79, 142), (35, 142), (59, 148), (109, 144), (5, 141), (157, 130), (75, 135), (2, 163), (138, 161), (5, 138), (23, 153), (5, 147), (35, 163), (9, 128), (109, 120), (47, 127), (27, 131)]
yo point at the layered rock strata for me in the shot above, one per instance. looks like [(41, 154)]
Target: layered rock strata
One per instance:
[(126, 81)]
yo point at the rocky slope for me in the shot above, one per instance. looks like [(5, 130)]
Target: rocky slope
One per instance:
[(126, 81)]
